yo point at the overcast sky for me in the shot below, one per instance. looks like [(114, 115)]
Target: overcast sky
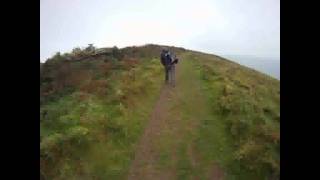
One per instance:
[(222, 27)]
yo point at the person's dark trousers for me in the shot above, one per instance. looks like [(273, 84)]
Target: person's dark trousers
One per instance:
[(167, 69)]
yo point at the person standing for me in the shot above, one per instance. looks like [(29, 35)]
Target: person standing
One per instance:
[(169, 66), (166, 62)]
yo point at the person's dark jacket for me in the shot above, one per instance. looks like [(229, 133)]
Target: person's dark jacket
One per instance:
[(165, 58), (168, 59)]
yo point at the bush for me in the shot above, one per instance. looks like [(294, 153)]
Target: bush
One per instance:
[(98, 87), (225, 104), (76, 51), (50, 145), (77, 134), (258, 157), (239, 127), (249, 153), (90, 48), (53, 145), (116, 53), (68, 120), (227, 90), (57, 56)]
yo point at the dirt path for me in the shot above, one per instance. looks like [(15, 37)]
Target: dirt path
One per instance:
[(144, 165), (166, 149)]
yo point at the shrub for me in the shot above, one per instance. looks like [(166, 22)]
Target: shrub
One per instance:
[(90, 48), (98, 87), (76, 51), (249, 153), (227, 90), (68, 120), (57, 56), (117, 53), (105, 68), (77, 134), (270, 134), (225, 104), (51, 145), (239, 127)]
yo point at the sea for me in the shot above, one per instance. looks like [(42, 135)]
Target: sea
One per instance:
[(269, 66)]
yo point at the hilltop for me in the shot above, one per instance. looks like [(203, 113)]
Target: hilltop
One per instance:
[(106, 114)]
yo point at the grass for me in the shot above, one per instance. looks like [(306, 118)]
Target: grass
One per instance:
[(209, 135), (114, 121), (237, 103), (201, 138), (221, 114)]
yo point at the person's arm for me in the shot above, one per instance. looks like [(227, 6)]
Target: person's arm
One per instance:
[(175, 61)]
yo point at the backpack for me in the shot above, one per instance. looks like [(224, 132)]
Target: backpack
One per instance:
[(168, 59), (163, 58)]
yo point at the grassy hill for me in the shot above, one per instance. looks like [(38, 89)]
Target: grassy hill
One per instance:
[(96, 108)]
